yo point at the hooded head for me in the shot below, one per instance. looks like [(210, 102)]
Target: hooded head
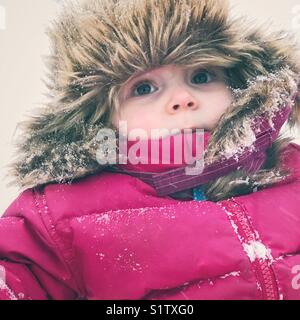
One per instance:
[(97, 45)]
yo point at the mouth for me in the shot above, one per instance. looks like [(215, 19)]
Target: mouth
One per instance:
[(194, 129), (191, 130)]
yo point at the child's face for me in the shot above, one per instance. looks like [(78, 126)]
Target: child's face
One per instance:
[(173, 97)]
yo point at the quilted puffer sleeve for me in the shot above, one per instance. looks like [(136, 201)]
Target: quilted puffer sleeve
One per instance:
[(31, 264)]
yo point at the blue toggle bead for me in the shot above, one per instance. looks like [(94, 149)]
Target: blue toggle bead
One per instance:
[(198, 194)]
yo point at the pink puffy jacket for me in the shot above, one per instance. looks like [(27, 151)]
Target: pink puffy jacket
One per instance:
[(109, 236)]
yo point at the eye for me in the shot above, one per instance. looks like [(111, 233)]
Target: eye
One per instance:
[(202, 77), (143, 88)]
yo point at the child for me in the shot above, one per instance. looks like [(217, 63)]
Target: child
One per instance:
[(81, 229)]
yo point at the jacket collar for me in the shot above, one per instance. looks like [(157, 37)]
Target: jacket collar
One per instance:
[(174, 177), (163, 154)]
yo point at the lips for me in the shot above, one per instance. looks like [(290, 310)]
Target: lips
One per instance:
[(194, 130)]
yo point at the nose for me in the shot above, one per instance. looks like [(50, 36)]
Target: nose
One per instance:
[(182, 100)]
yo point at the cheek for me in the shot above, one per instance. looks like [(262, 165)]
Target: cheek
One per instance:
[(216, 104), (115, 119), (222, 100), (135, 116)]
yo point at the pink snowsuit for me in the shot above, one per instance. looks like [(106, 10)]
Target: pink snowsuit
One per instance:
[(109, 236)]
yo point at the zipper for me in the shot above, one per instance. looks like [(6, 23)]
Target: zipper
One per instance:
[(261, 266)]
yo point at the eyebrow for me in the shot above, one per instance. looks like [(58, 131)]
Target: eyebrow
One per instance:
[(150, 71), (141, 74)]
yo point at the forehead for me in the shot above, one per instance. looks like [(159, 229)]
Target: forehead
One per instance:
[(156, 71)]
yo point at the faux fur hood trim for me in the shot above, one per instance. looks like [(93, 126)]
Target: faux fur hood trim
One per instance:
[(98, 44)]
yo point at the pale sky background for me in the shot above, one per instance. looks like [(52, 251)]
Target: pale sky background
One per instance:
[(23, 43)]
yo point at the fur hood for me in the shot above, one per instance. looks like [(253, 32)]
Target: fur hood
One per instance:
[(97, 45)]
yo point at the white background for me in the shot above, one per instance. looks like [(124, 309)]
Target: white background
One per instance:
[(23, 43)]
